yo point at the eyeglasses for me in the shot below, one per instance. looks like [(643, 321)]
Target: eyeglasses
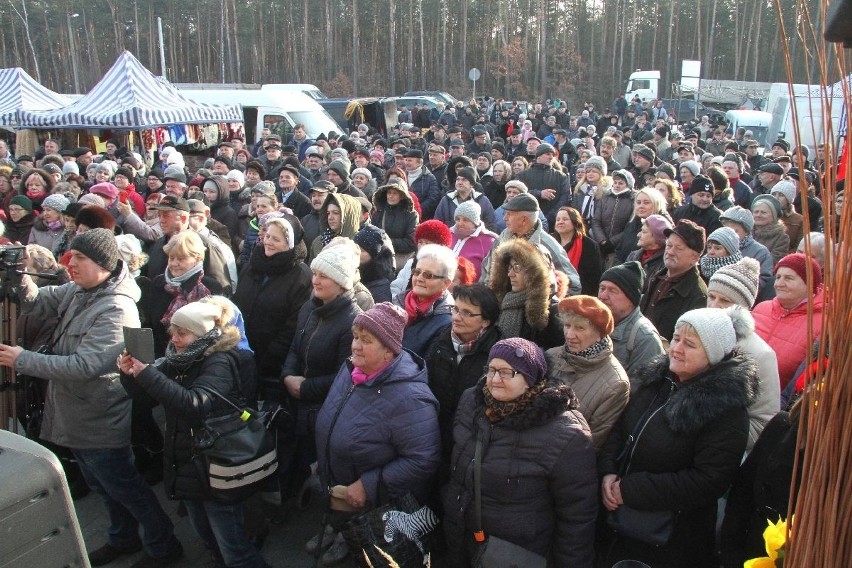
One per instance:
[(427, 275), (463, 313), (516, 268), (15, 209), (505, 374)]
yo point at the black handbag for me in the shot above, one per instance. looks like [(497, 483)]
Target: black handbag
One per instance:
[(495, 552), (393, 534), (236, 451), (654, 527)]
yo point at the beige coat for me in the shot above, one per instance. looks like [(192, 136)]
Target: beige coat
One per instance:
[(600, 383)]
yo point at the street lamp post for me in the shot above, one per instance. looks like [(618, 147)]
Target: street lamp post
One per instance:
[(73, 48)]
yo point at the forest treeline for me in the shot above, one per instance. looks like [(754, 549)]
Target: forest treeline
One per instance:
[(526, 49)]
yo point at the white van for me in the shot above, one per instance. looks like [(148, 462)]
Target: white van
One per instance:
[(279, 110), (311, 90), (755, 120)]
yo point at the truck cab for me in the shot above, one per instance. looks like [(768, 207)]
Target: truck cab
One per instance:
[(755, 120), (644, 84)]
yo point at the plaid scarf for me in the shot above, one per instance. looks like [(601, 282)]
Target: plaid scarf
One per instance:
[(173, 287), (463, 347), (496, 410)]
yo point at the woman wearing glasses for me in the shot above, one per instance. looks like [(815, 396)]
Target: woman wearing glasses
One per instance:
[(537, 463), (520, 277), (429, 302)]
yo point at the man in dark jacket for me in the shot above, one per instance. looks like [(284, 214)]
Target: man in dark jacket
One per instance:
[(438, 163), (551, 187), (422, 183), (86, 407), (678, 287)]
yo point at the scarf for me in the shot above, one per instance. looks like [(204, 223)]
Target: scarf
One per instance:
[(512, 313), (496, 410), (174, 287), (359, 377), (575, 250), (648, 254), (194, 351), (416, 308), (745, 241), (463, 347), (326, 236), (592, 350), (54, 225), (709, 265)]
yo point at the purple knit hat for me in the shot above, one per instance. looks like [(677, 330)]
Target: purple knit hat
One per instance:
[(524, 356), (387, 322), (658, 224)]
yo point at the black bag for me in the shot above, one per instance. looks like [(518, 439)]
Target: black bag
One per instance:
[(495, 552), (651, 527), (237, 451), (395, 530)]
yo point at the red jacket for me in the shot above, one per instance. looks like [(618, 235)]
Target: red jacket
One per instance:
[(786, 331)]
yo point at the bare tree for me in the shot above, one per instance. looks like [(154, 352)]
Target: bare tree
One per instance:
[(25, 19)]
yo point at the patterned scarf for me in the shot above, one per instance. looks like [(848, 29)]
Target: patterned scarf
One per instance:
[(709, 264), (745, 241), (326, 236), (496, 410), (512, 313), (463, 347), (173, 287), (592, 350), (194, 351)]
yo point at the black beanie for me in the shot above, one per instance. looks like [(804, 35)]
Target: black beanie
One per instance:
[(98, 245), (630, 277)]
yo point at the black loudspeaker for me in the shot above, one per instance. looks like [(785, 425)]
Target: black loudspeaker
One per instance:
[(38, 524)]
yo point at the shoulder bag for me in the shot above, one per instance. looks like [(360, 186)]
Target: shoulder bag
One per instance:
[(650, 527), (495, 552)]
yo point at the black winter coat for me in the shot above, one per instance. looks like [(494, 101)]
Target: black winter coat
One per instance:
[(270, 294), (685, 458), (185, 406), (708, 218), (539, 177), (539, 481)]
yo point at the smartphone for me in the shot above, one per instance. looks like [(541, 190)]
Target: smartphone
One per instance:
[(122, 197)]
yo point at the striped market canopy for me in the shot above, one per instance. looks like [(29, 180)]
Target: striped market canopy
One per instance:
[(131, 97), (20, 92)]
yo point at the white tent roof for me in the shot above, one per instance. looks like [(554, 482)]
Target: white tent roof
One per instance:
[(19, 91), (131, 97)]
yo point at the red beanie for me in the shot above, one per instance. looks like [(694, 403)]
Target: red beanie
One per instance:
[(433, 231), (797, 262)]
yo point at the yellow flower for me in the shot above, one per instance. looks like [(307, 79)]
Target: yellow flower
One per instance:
[(775, 537), (760, 563)]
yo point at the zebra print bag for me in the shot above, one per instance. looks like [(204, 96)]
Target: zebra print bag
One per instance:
[(397, 529)]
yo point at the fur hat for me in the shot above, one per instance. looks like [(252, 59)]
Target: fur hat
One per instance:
[(524, 356), (387, 322), (737, 282), (626, 176), (726, 237), (469, 209), (797, 262), (692, 234), (339, 262), (714, 328), (592, 309), (98, 245), (467, 173), (70, 168), (598, 163), (56, 201), (95, 217), (434, 231), (718, 177), (739, 215), (772, 202), (629, 277), (199, 318)]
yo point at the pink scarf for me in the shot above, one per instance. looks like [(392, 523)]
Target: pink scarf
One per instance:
[(359, 377)]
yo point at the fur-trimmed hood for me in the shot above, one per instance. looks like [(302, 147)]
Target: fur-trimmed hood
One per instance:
[(229, 339), (380, 197), (537, 310), (451, 168), (732, 383), (555, 399)]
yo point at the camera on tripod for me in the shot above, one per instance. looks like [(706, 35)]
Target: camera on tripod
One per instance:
[(11, 265)]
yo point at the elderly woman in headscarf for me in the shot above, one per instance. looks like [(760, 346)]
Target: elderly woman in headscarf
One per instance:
[(377, 432), (586, 363), (471, 240), (428, 304), (769, 229), (520, 277), (534, 452), (677, 445)]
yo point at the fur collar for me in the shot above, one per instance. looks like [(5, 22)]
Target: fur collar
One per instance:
[(555, 399), (732, 383), (537, 311)]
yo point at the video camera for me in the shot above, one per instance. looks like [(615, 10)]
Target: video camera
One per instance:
[(11, 263)]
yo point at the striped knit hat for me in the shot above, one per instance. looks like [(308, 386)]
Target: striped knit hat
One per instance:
[(737, 282)]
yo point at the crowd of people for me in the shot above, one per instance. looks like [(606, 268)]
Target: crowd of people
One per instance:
[(566, 332)]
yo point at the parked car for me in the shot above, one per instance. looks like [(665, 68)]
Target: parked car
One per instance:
[(685, 110), (442, 96)]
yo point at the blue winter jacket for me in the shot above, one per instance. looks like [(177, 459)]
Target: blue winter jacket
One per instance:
[(387, 426), (420, 333)]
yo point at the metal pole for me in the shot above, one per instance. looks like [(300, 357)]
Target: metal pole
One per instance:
[(73, 53), (162, 47)]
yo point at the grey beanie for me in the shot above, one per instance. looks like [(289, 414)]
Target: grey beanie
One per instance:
[(726, 237), (692, 166), (56, 201), (739, 215), (98, 245), (786, 188), (469, 209), (714, 328), (340, 168), (598, 163), (772, 202)]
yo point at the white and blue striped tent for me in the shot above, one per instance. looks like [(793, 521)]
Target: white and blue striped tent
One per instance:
[(131, 97), (20, 92)]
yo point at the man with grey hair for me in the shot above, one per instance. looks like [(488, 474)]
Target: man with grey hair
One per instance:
[(522, 222)]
